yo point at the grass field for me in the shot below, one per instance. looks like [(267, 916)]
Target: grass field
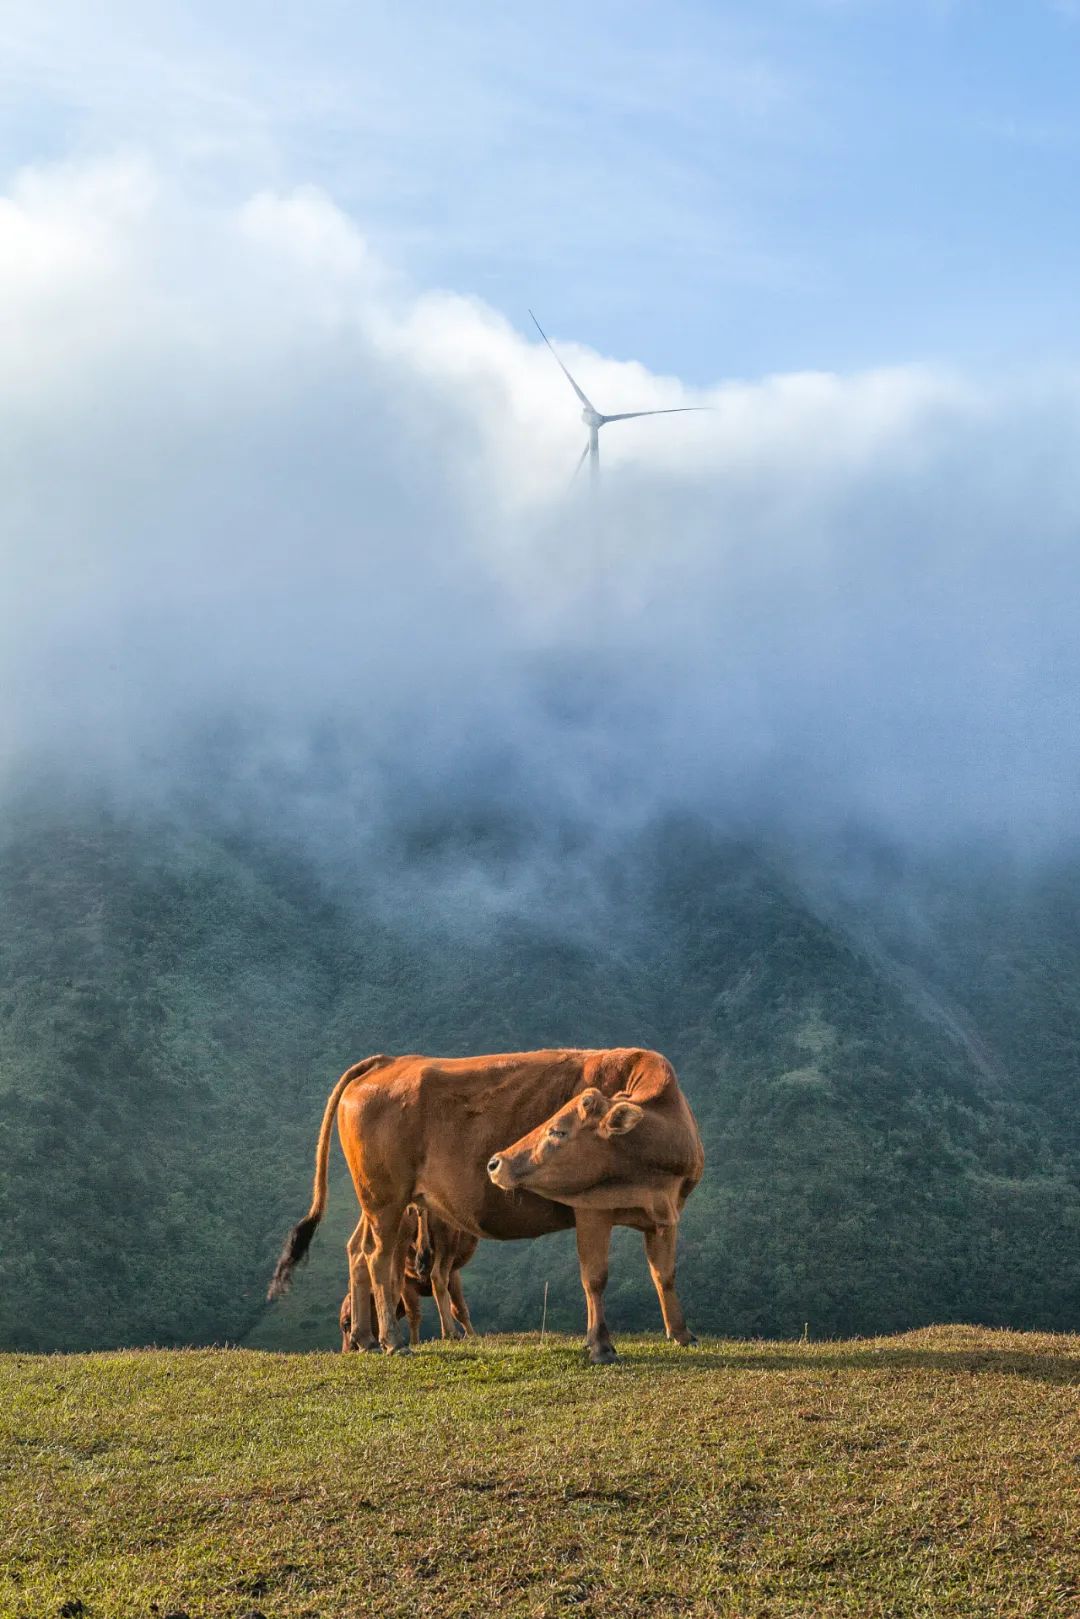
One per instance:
[(936, 1473)]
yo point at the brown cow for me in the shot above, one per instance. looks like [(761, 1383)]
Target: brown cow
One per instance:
[(601, 1138), (431, 1254)]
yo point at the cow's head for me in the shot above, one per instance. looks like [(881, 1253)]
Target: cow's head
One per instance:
[(573, 1151)]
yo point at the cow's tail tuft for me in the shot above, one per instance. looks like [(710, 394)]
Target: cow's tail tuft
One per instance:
[(296, 1246), (298, 1241)]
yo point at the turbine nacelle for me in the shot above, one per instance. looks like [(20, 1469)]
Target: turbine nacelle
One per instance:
[(593, 419)]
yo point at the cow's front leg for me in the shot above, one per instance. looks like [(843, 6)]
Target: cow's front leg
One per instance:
[(660, 1252), (593, 1244), (458, 1305), (383, 1250), (440, 1290)]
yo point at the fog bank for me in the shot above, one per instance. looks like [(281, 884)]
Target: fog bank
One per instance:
[(278, 524)]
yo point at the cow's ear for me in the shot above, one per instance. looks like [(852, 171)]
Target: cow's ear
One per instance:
[(591, 1103), (623, 1116)]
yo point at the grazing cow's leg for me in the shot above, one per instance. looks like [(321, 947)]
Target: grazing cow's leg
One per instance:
[(660, 1252), (359, 1293), (410, 1298), (458, 1306), (423, 1243), (593, 1243), (441, 1293), (385, 1262)]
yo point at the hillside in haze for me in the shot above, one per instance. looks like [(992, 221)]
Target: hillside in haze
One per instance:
[(889, 1109)]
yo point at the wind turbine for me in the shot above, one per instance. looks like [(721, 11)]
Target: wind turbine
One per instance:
[(593, 418)]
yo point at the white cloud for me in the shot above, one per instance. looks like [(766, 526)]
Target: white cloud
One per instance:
[(248, 470)]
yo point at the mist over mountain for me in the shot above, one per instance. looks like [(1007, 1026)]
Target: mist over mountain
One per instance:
[(338, 723), (177, 1004)]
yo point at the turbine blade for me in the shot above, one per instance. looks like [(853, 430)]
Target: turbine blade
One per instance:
[(586, 402), (675, 410), (580, 462)]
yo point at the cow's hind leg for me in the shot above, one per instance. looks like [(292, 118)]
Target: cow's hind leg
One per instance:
[(593, 1244), (458, 1305), (359, 1294), (410, 1298), (660, 1252), (385, 1262)]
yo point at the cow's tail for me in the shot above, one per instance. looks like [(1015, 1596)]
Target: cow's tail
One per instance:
[(298, 1241)]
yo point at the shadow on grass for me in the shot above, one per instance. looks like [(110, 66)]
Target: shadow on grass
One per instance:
[(643, 1357), (1043, 1368)]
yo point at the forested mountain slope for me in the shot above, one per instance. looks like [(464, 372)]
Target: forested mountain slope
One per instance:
[(890, 1130)]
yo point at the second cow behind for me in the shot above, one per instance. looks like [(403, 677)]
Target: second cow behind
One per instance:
[(429, 1258)]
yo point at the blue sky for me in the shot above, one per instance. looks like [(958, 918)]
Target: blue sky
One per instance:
[(716, 190)]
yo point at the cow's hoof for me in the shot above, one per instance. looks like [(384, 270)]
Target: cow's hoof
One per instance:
[(602, 1354)]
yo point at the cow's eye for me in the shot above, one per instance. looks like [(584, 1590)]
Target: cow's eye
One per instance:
[(556, 1135)]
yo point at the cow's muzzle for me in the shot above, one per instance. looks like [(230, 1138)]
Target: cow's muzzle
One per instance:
[(499, 1172)]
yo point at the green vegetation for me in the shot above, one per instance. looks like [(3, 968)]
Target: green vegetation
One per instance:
[(935, 1474), (890, 1128)]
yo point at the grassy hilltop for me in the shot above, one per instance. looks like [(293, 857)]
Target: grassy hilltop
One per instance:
[(937, 1473)]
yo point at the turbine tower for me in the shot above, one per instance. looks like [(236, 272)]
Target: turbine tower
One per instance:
[(593, 418)]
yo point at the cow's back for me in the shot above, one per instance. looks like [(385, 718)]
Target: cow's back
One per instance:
[(426, 1126)]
